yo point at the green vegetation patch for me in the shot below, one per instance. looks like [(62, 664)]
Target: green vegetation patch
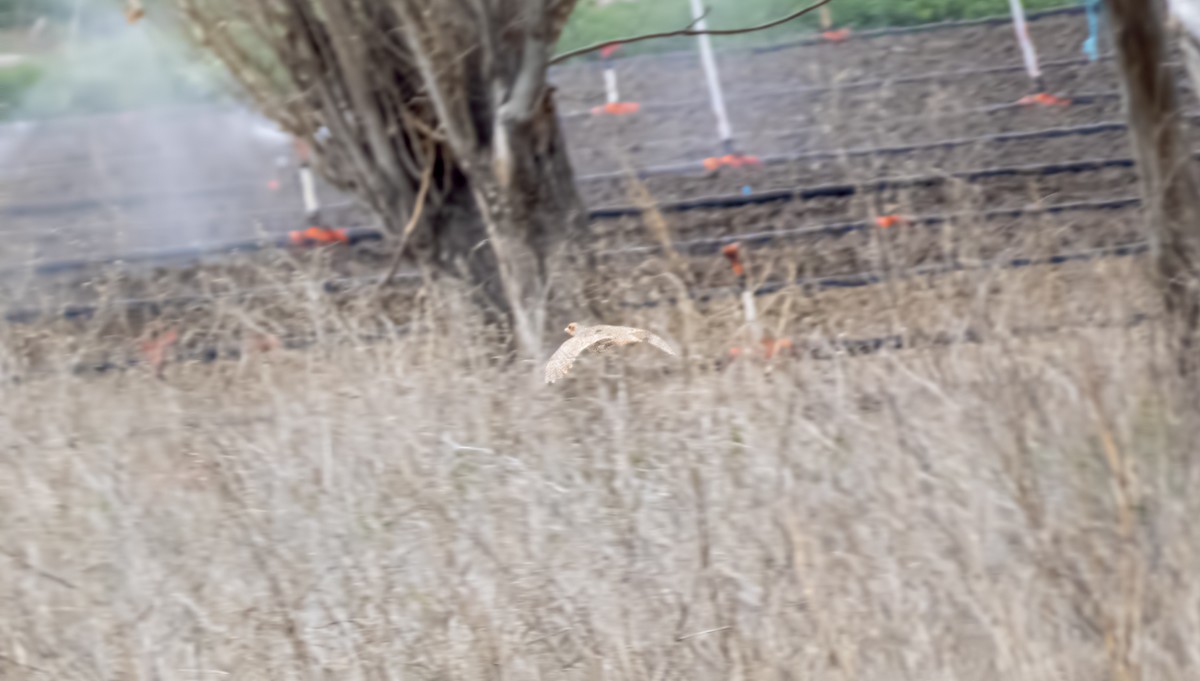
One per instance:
[(593, 23)]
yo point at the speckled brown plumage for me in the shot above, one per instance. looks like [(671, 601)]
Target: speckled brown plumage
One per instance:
[(601, 337)]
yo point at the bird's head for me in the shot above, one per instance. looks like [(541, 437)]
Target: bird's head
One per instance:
[(571, 328)]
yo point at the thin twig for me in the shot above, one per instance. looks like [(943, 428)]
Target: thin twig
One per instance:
[(415, 121), (44, 574), (688, 31), (702, 633), (418, 208), (690, 25)]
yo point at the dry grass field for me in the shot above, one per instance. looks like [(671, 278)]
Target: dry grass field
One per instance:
[(423, 508)]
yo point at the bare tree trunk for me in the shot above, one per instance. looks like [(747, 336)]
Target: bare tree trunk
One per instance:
[(503, 132), (533, 216), (515, 234), (1184, 22), (1169, 184)]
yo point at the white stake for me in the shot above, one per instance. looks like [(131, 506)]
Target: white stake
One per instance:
[(1027, 50), (610, 84), (307, 185), (826, 18), (310, 191), (749, 311), (710, 73)]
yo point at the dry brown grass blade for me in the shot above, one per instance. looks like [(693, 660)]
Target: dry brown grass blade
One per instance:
[(414, 219)]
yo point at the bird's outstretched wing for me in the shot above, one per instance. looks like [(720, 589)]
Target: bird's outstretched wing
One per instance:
[(659, 343), (564, 357)]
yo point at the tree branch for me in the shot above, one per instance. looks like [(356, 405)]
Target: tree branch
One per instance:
[(350, 56), (451, 112), (418, 207), (530, 82), (689, 31)]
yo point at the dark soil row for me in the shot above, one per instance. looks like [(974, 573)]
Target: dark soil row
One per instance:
[(901, 249), (676, 144), (950, 196), (783, 123), (242, 202), (1074, 75), (621, 190), (812, 254), (611, 145), (678, 77), (205, 220), (209, 298), (625, 147), (152, 153)]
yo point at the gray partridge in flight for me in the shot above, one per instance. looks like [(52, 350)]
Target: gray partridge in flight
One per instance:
[(602, 337)]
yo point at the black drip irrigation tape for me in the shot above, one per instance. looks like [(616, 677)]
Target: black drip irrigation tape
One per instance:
[(997, 138), (839, 190), (734, 95), (151, 306), (809, 90), (751, 95), (862, 279), (124, 200), (211, 353), (760, 239), (359, 235), (689, 168), (156, 306), (224, 191), (24, 127), (354, 236), (871, 278), (829, 348), (694, 169), (1062, 131), (698, 247)]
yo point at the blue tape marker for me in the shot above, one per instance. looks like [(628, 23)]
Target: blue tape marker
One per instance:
[(1091, 46)]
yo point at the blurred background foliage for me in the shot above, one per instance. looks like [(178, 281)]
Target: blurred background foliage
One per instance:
[(64, 57), (597, 20)]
